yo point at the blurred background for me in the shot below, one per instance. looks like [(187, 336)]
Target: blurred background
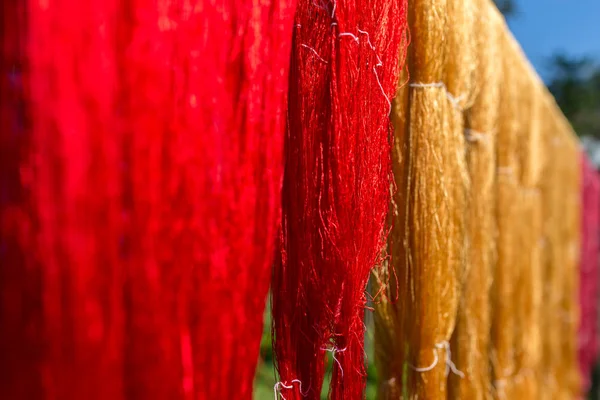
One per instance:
[(561, 38)]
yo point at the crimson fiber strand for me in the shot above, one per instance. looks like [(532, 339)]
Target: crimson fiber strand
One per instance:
[(140, 190), (74, 178), (206, 85), (588, 270), (153, 356), (344, 70)]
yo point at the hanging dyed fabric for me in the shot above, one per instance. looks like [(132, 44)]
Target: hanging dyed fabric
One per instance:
[(140, 184), (428, 242), (471, 339), (205, 89), (72, 174), (336, 189)]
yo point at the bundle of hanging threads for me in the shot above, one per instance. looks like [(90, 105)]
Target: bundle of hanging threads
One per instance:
[(508, 284), (507, 222), (345, 65), (149, 180), (471, 339), (132, 186), (205, 176), (73, 168), (528, 293), (428, 217)]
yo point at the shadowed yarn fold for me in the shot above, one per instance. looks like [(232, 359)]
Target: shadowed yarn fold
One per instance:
[(344, 71), (20, 293)]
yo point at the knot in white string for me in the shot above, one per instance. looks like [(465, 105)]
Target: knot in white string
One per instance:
[(454, 100), (283, 385)]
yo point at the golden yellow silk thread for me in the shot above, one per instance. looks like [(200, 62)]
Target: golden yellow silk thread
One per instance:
[(484, 214), (472, 335)]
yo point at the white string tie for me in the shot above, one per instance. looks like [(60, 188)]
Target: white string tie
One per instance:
[(474, 136), (334, 350), (454, 100), (352, 35), (279, 385), (450, 366)]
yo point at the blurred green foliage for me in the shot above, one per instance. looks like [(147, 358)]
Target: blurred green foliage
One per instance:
[(506, 7), (576, 86)]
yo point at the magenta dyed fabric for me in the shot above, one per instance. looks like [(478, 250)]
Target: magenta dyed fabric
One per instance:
[(588, 291)]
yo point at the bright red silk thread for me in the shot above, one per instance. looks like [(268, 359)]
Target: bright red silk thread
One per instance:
[(206, 87), (588, 282), (343, 76), (140, 197), (76, 166), (74, 177)]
